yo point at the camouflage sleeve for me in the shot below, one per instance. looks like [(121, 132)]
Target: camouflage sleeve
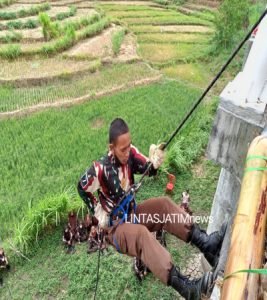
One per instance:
[(87, 185), (141, 163)]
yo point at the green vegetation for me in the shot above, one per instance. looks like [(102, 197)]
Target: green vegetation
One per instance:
[(48, 212), (62, 43), (33, 10), (53, 156), (168, 38), (74, 276), (70, 37), (4, 3), (137, 29), (142, 14), (167, 54), (117, 39), (50, 29), (45, 153), (10, 37), (193, 73), (12, 51), (233, 17), (124, 7), (181, 155), (30, 23), (63, 15), (117, 75), (178, 19)]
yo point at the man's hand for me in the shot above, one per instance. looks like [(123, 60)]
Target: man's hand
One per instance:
[(156, 155)]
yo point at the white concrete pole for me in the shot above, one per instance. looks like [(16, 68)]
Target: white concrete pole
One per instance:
[(254, 75)]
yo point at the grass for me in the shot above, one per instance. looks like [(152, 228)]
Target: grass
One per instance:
[(56, 151), (167, 38), (90, 26), (138, 29), (194, 73), (141, 14), (172, 20), (117, 39), (17, 24), (63, 15), (18, 98), (33, 10), (12, 51), (44, 68), (64, 276), (71, 276), (10, 37), (4, 3), (165, 53), (126, 7)]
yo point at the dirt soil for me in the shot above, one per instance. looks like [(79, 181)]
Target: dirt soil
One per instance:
[(98, 47)]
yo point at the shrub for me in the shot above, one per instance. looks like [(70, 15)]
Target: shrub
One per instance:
[(230, 20)]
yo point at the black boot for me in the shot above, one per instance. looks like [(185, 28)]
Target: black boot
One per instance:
[(209, 245), (190, 289)]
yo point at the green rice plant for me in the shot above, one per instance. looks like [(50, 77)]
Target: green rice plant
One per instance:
[(7, 15), (11, 37), (14, 24), (30, 24), (117, 39), (63, 15), (50, 29), (84, 21), (48, 212), (12, 51), (4, 3), (93, 29), (60, 44), (34, 10)]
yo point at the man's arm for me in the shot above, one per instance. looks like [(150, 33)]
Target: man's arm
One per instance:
[(141, 163), (87, 185)]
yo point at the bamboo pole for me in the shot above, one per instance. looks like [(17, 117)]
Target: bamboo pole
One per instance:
[(248, 233)]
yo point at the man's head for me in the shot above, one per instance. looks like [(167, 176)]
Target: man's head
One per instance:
[(120, 140)]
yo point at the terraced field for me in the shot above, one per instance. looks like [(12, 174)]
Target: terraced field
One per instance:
[(57, 54), (39, 60)]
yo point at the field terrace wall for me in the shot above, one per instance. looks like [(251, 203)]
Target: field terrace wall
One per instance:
[(241, 116)]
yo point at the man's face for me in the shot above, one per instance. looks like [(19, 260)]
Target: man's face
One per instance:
[(121, 148)]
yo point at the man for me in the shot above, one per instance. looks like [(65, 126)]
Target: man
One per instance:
[(111, 176)]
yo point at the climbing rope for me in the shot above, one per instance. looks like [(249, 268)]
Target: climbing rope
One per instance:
[(134, 188)]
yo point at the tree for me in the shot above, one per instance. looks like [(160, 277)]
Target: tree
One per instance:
[(232, 17)]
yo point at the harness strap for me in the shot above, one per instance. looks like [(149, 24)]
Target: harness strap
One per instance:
[(116, 244)]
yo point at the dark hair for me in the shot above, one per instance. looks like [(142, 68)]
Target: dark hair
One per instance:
[(117, 127)]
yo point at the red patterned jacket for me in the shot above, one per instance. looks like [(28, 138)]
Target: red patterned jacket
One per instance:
[(110, 179)]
